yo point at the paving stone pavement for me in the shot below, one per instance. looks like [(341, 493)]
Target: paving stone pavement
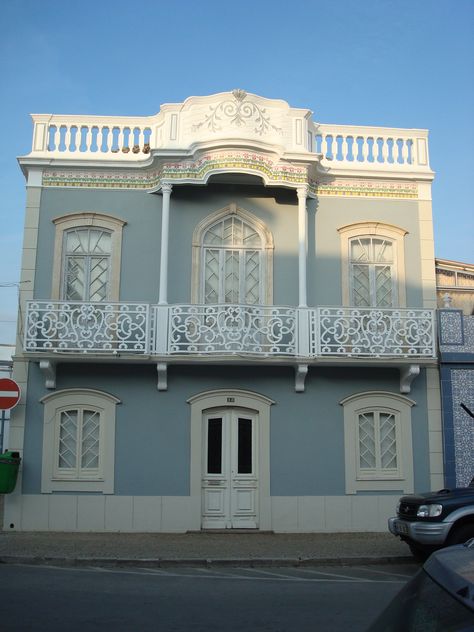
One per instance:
[(202, 547)]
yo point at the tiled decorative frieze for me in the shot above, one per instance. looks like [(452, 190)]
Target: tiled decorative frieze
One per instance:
[(346, 187), (273, 172), (463, 393)]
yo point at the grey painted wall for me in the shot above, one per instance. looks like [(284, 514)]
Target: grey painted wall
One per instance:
[(277, 208), (153, 428)]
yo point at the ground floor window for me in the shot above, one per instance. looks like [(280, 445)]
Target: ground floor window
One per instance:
[(79, 441), (378, 443)]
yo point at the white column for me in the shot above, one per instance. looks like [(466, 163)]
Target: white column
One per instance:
[(302, 193), (165, 221)]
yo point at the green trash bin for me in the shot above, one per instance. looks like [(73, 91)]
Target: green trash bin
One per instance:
[(9, 464)]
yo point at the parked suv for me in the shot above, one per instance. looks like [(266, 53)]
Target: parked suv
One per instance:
[(430, 521)]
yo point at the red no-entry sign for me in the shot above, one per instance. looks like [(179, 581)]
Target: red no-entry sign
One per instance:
[(9, 393)]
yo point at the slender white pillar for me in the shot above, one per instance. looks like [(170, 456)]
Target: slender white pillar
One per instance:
[(166, 189), (302, 193)]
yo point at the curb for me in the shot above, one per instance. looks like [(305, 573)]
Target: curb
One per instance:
[(203, 562)]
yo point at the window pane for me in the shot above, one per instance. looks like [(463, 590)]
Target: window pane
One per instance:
[(244, 456), (90, 439), (367, 441), (383, 286), (360, 286), (252, 277), (360, 250), (388, 441), (67, 457), (211, 276), (383, 251), (214, 446), (99, 271), (231, 278), (99, 242), (75, 279)]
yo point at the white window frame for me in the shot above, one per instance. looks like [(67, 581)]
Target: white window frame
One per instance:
[(377, 230), (266, 253), (108, 223), (378, 401), (55, 478)]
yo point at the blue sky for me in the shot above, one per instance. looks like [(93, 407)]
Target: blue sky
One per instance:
[(400, 63)]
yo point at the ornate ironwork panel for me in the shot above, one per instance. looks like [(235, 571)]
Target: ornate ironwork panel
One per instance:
[(350, 331), (221, 329), (93, 327)]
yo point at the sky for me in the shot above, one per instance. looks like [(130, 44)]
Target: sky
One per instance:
[(391, 63)]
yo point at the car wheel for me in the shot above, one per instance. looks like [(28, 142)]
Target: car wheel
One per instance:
[(420, 553), (461, 534)]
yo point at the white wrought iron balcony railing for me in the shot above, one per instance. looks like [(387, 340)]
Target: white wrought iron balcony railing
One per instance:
[(228, 330)]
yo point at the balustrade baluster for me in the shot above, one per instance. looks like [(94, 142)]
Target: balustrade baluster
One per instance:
[(88, 139), (365, 149), (385, 149), (345, 148), (405, 151), (100, 137), (56, 136), (67, 138)]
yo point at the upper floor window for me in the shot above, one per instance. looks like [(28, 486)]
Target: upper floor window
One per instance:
[(86, 267), (87, 257), (372, 273), (232, 259), (373, 265)]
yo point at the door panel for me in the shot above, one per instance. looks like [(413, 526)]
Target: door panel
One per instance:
[(229, 482)]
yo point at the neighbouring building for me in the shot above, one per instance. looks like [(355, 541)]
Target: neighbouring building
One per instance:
[(455, 281), (229, 322)]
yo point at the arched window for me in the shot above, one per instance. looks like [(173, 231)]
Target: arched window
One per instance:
[(232, 259), (378, 442), (87, 256), (86, 267), (372, 272), (79, 441), (373, 265)]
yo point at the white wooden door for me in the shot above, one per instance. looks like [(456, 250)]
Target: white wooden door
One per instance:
[(230, 479)]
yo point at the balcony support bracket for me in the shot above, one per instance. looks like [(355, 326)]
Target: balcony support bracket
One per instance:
[(407, 375), (162, 369), (48, 369), (301, 371)]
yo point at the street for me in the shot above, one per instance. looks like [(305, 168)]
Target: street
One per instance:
[(227, 599)]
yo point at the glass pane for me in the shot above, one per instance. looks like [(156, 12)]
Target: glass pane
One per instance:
[(383, 286), (244, 455), (90, 439), (360, 286), (211, 276), (214, 446), (99, 242), (360, 250), (98, 279), (388, 441), (68, 439), (252, 277), (231, 280), (74, 289), (366, 441), (383, 251)]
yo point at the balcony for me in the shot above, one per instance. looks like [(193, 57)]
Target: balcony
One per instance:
[(140, 329)]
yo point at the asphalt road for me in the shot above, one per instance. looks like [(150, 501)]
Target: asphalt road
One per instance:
[(336, 599)]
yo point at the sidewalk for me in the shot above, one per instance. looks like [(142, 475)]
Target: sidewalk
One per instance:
[(204, 548)]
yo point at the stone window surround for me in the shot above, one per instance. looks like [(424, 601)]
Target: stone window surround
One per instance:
[(88, 220), (378, 401), (374, 229), (67, 399)]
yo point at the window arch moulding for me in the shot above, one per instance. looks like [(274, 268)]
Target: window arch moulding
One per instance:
[(372, 231), (87, 220), (267, 247)]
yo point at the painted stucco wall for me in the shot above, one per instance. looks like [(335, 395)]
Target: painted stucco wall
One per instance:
[(277, 208), (153, 428)]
